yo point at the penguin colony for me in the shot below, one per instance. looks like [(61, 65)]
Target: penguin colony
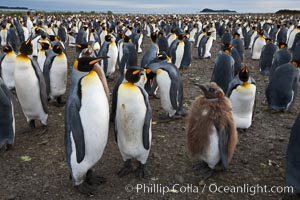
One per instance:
[(33, 70)]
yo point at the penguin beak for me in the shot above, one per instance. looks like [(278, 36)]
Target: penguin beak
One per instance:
[(202, 87)]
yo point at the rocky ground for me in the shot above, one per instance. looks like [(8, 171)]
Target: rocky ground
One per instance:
[(36, 167)]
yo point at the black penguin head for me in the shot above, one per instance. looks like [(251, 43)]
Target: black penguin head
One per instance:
[(212, 91), (182, 37), (244, 74), (261, 32), (82, 46), (26, 47), (45, 45), (7, 49), (53, 38), (236, 35), (153, 37), (133, 74), (126, 38), (226, 38), (86, 64), (296, 55), (162, 55), (57, 49), (108, 38)]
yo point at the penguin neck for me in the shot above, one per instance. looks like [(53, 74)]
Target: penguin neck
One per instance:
[(129, 83), (246, 84), (295, 64)]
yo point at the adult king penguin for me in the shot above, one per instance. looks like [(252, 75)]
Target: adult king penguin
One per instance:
[(258, 43), (86, 124), (7, 119), (55, 73), (224, 64), (241, 93), (133, 123), (30, 86), (282, 88), (170, 85), (210, 129), (7, 67), (266, 56)]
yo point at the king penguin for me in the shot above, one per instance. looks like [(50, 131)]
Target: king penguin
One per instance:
[(282, 88), (258, 43), (30, 86), (292, 170), (224, 66), (210, 129), (7, 119), (133, 123), (86, 124), (266, 56), (7, 67), (110, 49), (55, 73), (41, 56), (241, 93), (152, 52), (170, 85)]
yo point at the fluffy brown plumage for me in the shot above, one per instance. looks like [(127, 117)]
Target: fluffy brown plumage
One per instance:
[(213, 108)]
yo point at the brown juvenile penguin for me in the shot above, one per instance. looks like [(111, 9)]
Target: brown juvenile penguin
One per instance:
[(210, 128)]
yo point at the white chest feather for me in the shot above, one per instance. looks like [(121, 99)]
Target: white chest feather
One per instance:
[(179, 54), (164, 84), (8, 68), (28, 89), (257, 48), (113, 56), (41, 59), (242, 100), (130, 117), (212, 154), (58, 76)]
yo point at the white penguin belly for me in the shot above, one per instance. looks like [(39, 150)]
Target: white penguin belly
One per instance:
[(212, 154), (179, 54), (94, 115), (112, 60), (208, 47), (164, 84), (8, 70), (58, 76), (41, 59), (140, 43), (28, 91), (242, 101), (252, 40), (257, 48), (130, 117)]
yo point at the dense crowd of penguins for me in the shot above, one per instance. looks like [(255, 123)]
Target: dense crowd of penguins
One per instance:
[(34, 66)]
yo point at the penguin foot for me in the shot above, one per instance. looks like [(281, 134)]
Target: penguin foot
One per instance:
[(86, 189), (127, 169), (93, 179), (140, 172), (199, 165)]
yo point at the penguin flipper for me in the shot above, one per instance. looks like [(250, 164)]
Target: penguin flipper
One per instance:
[(147, 121), (223, 135), (2, 55), (174, 93), (77, 131), (42, 84), (46, 70), (114, 105)]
